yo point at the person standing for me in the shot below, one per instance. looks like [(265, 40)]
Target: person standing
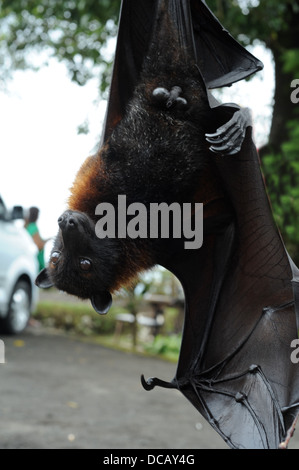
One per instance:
[(32, 229)]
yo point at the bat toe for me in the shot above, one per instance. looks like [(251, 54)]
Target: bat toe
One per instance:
[(161, 95), (170, 98)]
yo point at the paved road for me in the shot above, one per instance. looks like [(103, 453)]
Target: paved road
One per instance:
[(60, 393)]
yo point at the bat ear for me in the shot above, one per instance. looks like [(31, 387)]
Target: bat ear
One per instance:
[(101, 302), (43, 280)]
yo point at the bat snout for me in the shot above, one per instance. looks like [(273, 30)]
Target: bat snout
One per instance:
[(76, 228), (68, 221)]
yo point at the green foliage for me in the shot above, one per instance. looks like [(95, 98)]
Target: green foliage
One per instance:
[(269, 21), (281, 168), (78, 318), (282, 178), (73, 31), (167, 346), (291, 62)]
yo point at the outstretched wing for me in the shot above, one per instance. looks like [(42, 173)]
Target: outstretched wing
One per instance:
[(235, 362)]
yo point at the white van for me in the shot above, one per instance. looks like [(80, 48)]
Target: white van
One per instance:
[(18, 270)]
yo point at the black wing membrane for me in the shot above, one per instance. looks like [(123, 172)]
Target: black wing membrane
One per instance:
[(235, 362), (221, 59), (241, 288)]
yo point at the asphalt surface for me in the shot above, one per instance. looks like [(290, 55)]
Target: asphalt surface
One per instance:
[(57, 392)]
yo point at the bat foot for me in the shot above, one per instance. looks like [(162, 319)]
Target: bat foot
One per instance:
[(228, 138), (169, 98)]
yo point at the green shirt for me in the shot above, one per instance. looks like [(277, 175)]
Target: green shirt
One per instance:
[(32, 230)]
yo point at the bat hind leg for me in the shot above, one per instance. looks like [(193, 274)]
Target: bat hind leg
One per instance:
[(169, 98)]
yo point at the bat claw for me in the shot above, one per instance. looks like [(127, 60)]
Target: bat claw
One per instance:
[(213, 140), (147, 384), (228, 139), (181, 102)]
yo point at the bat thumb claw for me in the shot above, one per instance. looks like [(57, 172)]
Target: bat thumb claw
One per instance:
[(152, 382), (147, 384)]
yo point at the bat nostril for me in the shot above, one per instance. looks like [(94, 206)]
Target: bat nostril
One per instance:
[(61, 221), (67, 220)]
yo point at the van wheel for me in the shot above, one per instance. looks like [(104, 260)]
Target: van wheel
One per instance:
[(18, 311)]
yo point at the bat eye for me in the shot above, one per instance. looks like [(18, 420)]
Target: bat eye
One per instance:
[(55, 257), (85, 264)]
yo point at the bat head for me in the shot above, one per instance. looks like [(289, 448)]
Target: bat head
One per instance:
[(80, 263)]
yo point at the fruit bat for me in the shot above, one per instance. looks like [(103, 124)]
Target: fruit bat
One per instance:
[(165, 140)]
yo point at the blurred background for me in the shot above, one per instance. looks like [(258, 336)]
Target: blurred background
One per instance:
[(55, 64)]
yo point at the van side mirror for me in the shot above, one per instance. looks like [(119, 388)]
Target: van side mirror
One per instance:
[(17, 212)]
